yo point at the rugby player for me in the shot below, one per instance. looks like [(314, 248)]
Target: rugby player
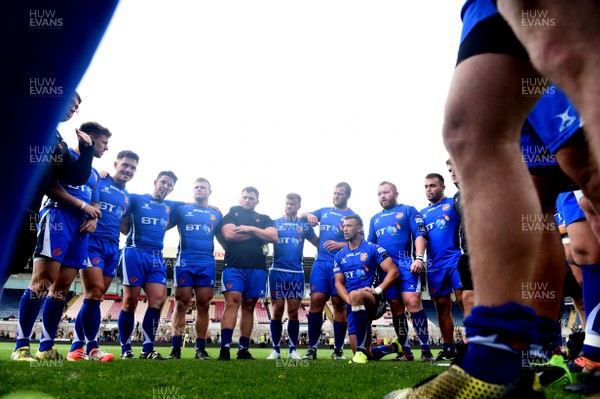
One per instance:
[(103, 257), (398, 228), (286, 274), (195, 268), (243, 233), (142, 264), (356, 271), (442, 223), (322, 285), (61, 250)]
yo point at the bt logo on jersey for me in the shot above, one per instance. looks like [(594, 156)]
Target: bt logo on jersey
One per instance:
[(105, 206), (149, 220)]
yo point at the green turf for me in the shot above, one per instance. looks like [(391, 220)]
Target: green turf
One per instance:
[(188, 378)]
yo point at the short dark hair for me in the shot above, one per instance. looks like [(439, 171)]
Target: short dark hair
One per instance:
[(128, 154), (355, 217), (77, 96), (346, 187), (95, 129), (202, 180), (251, 189), (294, 196), (167, 173), (435, 176)]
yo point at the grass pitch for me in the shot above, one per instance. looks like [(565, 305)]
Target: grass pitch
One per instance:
[(188, 378)]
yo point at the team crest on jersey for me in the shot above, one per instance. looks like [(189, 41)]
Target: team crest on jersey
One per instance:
[(399, 215), (57, 252), (213, 217), (363, 257), (96, 260), (180, 281), (133, 279), (445, 207), (228, 285), (167, 209)]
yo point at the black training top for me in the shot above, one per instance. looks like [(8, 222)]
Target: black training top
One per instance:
[(250, 253)]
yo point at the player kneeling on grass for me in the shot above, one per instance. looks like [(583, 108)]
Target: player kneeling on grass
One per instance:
[(356, 273)]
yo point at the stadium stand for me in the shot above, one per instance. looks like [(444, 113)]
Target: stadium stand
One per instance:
[(219, 308), (73, 307), (303, 312), (167, 309), (115, 309), (140, 311), (105, 306), (9, 303), (260, 313)]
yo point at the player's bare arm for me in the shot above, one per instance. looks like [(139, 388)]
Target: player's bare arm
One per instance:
[(59, 194)]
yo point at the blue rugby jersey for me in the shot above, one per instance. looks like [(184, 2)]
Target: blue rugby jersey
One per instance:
[(396, 229), (359, 266), (288, 251), (149, 220), (331, 221), (196, 226), (550, 124), (441, 221), (87, 192), (114, 204), (473, 12)]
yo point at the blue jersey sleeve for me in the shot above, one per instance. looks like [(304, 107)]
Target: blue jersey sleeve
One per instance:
[(372, 235), (417, 224), (336, 263), (318, 213), (174, 218), (95, 192), (330, 228)]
